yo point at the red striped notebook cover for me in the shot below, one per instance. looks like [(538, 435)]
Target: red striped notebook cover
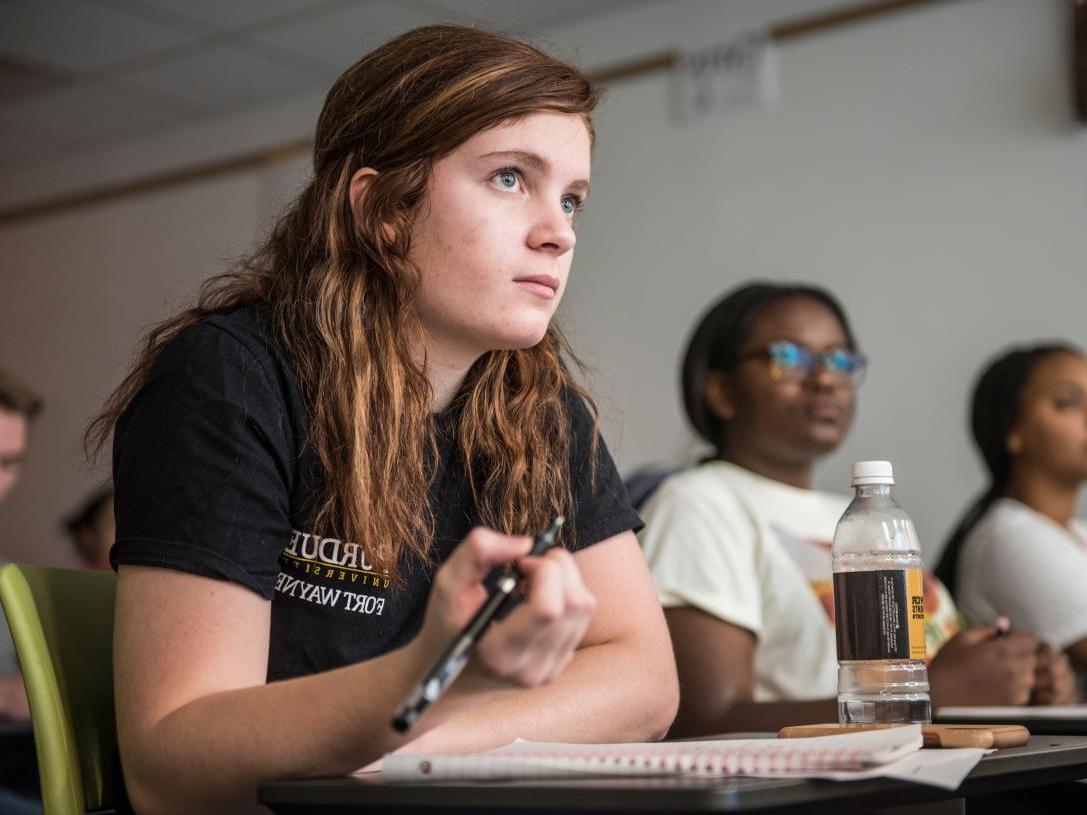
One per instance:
[(723, 757)]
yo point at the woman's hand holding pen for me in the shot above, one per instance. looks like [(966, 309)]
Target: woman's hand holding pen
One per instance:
[(539, 637)]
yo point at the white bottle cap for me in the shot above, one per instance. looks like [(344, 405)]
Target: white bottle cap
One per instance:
[(872, 472)]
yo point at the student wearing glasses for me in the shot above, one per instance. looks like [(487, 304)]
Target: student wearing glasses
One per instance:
[(317, 467), (739, 546), (1019, 551)]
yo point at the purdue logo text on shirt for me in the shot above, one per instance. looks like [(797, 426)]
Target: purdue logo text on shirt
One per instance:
[(330, 560)]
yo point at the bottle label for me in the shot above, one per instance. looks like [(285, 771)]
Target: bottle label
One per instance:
[(880, 614)]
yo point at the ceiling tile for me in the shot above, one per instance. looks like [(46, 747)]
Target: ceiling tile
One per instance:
[(522, 15), (20, 79), (20, 141), (79, 36), (221, 76), (87, 111), (338, 37), (232, 14)]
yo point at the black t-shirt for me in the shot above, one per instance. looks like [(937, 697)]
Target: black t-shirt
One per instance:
[(213, 476)]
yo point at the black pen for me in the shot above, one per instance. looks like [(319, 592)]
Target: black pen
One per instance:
[(441, 675)]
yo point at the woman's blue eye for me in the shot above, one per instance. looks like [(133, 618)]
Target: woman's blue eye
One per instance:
[(507, 179), (571, 204)]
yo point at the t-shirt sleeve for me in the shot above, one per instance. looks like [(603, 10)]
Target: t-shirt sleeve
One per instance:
[(942, 618), (1035, 575), (602, 509), (701, 552), (203, 463)]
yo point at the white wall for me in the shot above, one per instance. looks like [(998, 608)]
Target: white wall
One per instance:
[(923, 166)]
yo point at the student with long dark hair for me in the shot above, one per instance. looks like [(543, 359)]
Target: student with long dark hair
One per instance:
[(317, 466), (1019, 551), (739, 546)]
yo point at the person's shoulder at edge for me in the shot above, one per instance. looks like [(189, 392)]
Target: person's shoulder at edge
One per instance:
[(1004, 533), (242, 339), (700, 542), (696, 497), (746, 480), (1007, 540), (1005, 522), (249, 325), (703, 482), (728, 485)]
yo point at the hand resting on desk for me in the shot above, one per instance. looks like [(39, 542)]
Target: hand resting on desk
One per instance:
[(981, 667)]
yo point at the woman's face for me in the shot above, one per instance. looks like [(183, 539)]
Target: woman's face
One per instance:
[(788, 415), (14, 429), (1051, 432), (495, 234)]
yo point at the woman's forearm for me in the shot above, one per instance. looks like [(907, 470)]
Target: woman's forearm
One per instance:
[(611, 692), (216, 751), (212, 753)]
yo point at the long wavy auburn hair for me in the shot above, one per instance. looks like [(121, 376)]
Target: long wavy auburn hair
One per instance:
[(342, 291)]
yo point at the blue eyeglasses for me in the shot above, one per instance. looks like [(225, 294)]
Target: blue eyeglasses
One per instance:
[(791, 362)]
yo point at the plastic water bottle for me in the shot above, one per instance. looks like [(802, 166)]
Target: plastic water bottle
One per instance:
[(879, 606)]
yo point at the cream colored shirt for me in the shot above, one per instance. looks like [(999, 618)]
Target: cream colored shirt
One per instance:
[(756, 553)]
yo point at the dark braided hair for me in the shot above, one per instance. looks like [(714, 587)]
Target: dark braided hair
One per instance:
[(994, 411), (720, 335)]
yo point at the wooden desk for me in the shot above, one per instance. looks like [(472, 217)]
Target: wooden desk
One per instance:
[(1038, 725), (1046, 760)]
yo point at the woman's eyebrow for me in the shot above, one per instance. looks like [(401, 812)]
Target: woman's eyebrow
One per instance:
[(786, 337), (535, 162), (1068, 384)]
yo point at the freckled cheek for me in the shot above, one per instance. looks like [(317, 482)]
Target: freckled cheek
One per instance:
[(470, 229), (465, 239)]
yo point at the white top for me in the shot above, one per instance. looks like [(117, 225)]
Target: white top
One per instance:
[(750, 550), (873, 472), (1019, 563)]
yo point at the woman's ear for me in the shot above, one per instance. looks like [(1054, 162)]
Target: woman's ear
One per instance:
[(718, 395), (1014, 443), (360, 183)]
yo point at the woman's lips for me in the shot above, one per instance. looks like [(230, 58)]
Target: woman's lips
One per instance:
[(542, 285), (825, 411)]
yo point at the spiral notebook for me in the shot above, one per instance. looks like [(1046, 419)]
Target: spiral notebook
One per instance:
[(772, 757)]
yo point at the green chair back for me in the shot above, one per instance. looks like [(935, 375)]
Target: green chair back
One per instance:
[(61, 621)]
